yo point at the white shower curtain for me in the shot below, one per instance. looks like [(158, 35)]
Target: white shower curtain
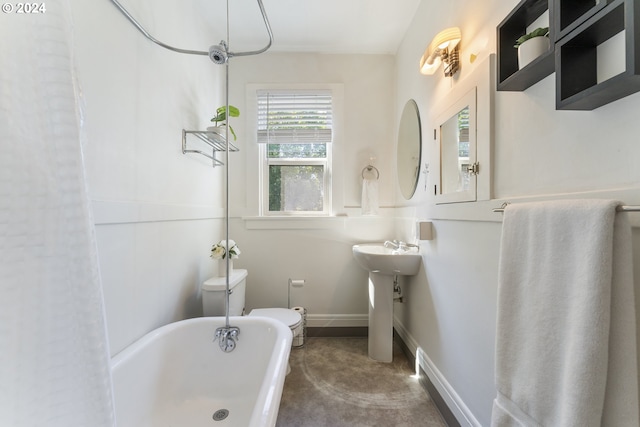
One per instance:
[(54, 358)]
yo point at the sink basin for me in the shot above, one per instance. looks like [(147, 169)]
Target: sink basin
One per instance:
[(376, 258)]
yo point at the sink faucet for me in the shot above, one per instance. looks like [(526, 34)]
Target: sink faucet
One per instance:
[(392, 244), (399, 245)]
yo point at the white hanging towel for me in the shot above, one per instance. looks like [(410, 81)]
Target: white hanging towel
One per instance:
[(370, 196), (566, 335)]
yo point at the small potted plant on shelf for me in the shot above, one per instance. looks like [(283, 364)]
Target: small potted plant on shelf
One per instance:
[(220, 119), (532, 45)]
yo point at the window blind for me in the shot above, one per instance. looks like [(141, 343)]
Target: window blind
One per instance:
[(294, 117)]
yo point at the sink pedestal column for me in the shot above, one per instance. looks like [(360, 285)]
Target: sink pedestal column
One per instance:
[(383, 265), (380, 317)]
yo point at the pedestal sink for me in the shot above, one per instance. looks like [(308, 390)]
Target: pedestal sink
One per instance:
[(383, 264)]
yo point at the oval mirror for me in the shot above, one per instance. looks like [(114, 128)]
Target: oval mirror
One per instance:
[(409, 149)]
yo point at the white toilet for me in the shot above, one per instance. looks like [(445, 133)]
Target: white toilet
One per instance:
[(213, 301)]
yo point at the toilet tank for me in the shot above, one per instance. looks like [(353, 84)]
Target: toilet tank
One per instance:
[(213, 294)]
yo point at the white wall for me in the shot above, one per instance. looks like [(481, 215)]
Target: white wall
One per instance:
[(157, 211), (450, 307), (317, 250), (364, 130)]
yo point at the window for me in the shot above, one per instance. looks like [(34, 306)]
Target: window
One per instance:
[(295, 135)]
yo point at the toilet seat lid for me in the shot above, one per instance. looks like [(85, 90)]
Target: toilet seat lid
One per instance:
[(220, 283), (285, 315)]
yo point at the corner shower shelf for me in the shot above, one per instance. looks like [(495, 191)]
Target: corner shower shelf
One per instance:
[(215, 142)]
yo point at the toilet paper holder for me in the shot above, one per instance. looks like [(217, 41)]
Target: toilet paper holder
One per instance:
[(295, 283)]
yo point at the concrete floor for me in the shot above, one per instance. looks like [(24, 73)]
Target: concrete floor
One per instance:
[(334, 383)]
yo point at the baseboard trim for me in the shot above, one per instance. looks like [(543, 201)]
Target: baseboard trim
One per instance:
[(451, 399), (337, 320), (447, 416), (338, 332)]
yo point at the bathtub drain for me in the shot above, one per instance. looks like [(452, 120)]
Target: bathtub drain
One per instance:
[(220, 414)]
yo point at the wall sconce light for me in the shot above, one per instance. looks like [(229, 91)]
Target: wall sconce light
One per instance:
[(444, 48)]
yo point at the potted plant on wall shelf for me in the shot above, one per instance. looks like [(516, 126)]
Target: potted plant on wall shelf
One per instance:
[(532, 45), (220, 119)]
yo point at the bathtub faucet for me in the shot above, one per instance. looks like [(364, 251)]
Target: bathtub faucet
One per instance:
[(227, 337)]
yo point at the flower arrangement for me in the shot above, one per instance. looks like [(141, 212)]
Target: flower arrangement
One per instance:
[(219, 250)]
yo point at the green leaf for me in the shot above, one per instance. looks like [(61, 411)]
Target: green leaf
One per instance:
[(538, 32), (233, 111), (221, 113)]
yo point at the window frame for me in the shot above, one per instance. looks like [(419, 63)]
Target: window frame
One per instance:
[(265, 162)]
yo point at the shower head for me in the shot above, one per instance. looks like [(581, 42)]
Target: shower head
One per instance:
[(218, 53)]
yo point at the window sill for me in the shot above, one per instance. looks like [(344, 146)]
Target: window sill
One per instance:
[(303, 222)]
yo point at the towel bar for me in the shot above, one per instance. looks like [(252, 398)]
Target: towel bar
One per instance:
[(621, 208)]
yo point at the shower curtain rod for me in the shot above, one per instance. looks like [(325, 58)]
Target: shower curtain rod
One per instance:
[(621, 208), (198, 52)]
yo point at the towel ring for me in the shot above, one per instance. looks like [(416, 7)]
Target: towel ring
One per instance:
[(370, 168)]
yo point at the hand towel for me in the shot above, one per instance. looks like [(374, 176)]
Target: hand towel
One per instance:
[(565, 338), (369, 196)]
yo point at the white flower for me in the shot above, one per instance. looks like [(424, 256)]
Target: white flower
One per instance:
[(219, 250)]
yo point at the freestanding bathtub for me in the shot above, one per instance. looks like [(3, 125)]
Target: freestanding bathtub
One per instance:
[(177, 376)]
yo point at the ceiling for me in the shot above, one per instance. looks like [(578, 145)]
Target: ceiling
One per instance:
[(322, 26)]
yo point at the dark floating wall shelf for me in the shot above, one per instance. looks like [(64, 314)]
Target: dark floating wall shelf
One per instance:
[(569, 14), (577, 86), (510, 78), (577, 28)]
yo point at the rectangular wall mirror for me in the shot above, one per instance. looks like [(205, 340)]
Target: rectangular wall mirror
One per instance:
[(456, 145)]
